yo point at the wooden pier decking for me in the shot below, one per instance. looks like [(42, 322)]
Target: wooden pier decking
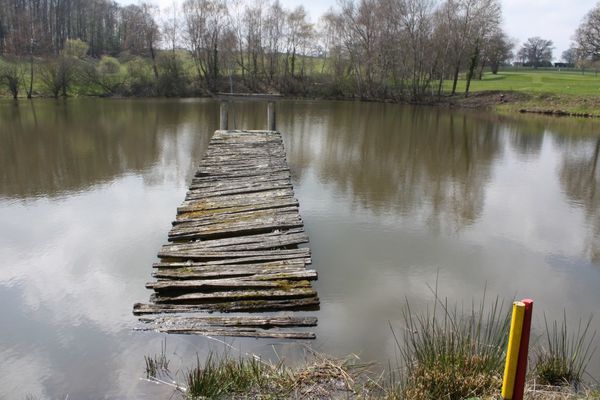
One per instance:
[(234, 247)]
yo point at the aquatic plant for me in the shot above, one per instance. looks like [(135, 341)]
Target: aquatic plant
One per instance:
[(564, 357), (157, 364)]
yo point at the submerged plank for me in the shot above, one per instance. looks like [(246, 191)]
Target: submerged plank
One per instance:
[(301, 304), (237, 332), (214, 297), (196, 321)]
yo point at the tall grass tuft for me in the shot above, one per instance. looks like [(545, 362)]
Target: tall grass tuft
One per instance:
[(220, 377), (453, 354), (566, 355)]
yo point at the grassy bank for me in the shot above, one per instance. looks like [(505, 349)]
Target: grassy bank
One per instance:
[(569, 92), (445, 353)]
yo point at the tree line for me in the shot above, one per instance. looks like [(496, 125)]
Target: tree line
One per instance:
[(370, 49)]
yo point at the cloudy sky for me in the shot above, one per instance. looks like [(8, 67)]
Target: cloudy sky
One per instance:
[(551, 19)]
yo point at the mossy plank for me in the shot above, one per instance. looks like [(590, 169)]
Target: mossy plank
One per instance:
[(302, 304)]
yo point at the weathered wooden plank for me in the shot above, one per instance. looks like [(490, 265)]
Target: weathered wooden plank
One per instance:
[(234, 183), (219, 218), (273, 281), (303, 304), (237, 332), (244, 157), (223, 273), (191, 212), (204, 227), (277, 242), (166, 263), (213, 182), (241, 172), (214, 297), (251, 255), (217, 265), (250, 188), (250, 242), (276, 198), (203, 321), (222, 152), (265, 164), (204, 231), (240, 198)]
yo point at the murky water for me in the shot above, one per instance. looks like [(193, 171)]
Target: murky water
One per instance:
[(393, 198)]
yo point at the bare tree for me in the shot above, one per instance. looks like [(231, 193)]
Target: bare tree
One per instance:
[(538, 51), (587, 36), (253, 35), (205, 21), (12, 76), (485, 22), (171, 23), (140, 31), (497, 50), (570, 55), (58, 75), (298, 33), (273, 31)]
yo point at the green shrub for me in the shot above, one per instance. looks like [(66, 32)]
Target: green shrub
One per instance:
[(140, 78), (172, 79), (75, 48), (109, 65)]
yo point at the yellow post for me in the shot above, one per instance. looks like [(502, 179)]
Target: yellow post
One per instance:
[(512, 353)]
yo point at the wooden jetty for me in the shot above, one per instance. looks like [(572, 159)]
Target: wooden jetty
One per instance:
[(234, 247)]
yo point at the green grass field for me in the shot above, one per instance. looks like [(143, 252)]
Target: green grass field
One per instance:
[(537, 82)]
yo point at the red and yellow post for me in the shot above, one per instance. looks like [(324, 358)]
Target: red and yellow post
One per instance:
[(513, 385)]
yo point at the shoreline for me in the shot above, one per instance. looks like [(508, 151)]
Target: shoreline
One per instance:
[(497, 101)]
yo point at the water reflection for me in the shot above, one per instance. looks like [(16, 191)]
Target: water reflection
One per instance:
[(54, 147), (580, 177), (393, 197), (421, 161)]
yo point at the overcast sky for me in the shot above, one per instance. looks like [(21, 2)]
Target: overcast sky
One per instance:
[(551, 19)]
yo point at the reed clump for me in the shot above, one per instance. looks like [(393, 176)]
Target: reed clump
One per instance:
[(562, 358), (451, 354)]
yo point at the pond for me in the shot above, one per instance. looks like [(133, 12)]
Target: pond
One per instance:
[(394, 198)]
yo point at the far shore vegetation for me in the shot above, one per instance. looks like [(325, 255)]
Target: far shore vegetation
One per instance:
[(451, 52)]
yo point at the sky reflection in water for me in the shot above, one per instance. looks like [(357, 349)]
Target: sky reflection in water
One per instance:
[(393, 198)]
